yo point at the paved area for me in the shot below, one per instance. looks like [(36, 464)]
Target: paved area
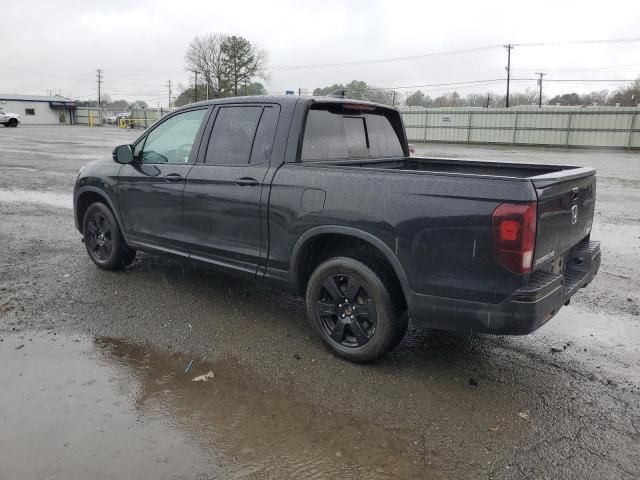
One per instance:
[(92, 383)]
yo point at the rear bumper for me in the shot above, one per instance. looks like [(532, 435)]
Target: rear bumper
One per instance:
[(526, 310)]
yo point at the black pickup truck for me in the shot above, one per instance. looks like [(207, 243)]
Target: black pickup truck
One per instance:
[(321, 196)]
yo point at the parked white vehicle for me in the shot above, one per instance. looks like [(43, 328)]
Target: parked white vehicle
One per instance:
[(9, 119)]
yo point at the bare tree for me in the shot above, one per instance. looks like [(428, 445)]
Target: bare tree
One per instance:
[(205, 56)]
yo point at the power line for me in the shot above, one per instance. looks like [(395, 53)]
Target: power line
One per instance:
[(386, 60), (456, 52), (578, 42)]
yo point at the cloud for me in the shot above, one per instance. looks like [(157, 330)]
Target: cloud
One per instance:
[(140, 45)]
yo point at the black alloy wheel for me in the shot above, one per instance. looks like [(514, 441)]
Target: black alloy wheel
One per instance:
[(351, 307), (346, 311), (99, 236), (103, 240)]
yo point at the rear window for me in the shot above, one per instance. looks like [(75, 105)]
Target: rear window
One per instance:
[(336, 135)]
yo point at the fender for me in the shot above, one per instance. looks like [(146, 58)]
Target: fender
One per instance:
[(362, 235), (108, 201)]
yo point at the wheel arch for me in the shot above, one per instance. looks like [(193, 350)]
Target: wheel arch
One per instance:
[(305, 257), (88, 195)]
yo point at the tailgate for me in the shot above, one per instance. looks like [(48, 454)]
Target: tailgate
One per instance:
[(566, 202)]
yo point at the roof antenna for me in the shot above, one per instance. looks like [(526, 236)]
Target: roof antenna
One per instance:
[(338, 94)]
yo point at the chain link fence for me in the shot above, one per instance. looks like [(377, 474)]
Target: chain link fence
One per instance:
[(132, 118)]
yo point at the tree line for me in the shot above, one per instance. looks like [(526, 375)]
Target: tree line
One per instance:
[(115, 105), (360, 90)]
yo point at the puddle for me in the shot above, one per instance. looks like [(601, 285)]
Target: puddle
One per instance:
[(76, 409), (60, 200)]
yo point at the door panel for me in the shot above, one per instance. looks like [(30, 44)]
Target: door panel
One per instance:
[(151, 189), (151, 203), (222, 195)]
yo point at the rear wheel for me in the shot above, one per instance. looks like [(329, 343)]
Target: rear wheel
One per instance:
[(351, 308), (13, 122), (103, 239)]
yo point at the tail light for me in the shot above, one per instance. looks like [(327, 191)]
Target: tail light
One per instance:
[(514, 235)]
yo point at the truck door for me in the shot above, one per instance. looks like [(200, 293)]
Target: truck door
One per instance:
[(222, 197), (150, 189)]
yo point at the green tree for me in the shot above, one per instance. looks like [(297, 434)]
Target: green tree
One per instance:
[(626, 97), (120, 105), (568, 99), (187, 95), (318, 92), (418, 99), (358, 90), (243, 61), (255, 88)]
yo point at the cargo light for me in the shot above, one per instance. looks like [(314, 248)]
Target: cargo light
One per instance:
[(358, 106), (514, 235)]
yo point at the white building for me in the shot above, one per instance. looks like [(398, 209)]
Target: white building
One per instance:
[(39, 110)]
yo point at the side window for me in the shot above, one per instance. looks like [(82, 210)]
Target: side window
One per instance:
[(172, 140), (232, 136), (263, 143)]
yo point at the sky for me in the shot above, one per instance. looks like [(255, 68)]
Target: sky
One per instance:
[(140, 45)]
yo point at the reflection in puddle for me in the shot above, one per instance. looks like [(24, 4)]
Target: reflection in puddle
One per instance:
[(71, 408), (60, 200)]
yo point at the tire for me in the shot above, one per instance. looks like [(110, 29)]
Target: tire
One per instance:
[(13, 123), (351, 308), (103, 240)]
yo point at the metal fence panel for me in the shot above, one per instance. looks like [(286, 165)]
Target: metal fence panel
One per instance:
[(561, 126)]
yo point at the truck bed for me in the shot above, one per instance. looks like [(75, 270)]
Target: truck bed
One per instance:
[(470, 167)]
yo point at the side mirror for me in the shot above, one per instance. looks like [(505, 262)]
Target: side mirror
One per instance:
[(123, 154)]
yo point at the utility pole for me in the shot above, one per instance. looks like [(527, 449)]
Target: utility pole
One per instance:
[(540, 85), (195, 87), (508, 47), (488, 98), (169, 85), (99, 77)]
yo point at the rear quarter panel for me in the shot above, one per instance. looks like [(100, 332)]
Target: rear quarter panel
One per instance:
[(437, 225)]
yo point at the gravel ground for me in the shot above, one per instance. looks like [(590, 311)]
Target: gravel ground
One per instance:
[(562, 402)]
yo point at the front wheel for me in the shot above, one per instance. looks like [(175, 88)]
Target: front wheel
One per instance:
[(103, 239), (352, 309), (13, 123)]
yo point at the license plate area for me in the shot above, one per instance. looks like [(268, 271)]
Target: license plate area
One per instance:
[(557, 266)]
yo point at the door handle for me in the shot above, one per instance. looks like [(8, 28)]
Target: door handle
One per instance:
[(173, 177), (247, 182)]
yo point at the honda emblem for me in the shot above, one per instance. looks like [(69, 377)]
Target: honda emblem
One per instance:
[(574, 214)]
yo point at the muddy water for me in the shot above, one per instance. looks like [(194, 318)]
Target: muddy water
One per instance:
[(78, 409)]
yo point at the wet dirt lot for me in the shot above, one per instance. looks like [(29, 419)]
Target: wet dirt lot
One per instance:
[(92, 383)]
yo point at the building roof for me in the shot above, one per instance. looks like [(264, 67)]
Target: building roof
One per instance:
[(16, 97)]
